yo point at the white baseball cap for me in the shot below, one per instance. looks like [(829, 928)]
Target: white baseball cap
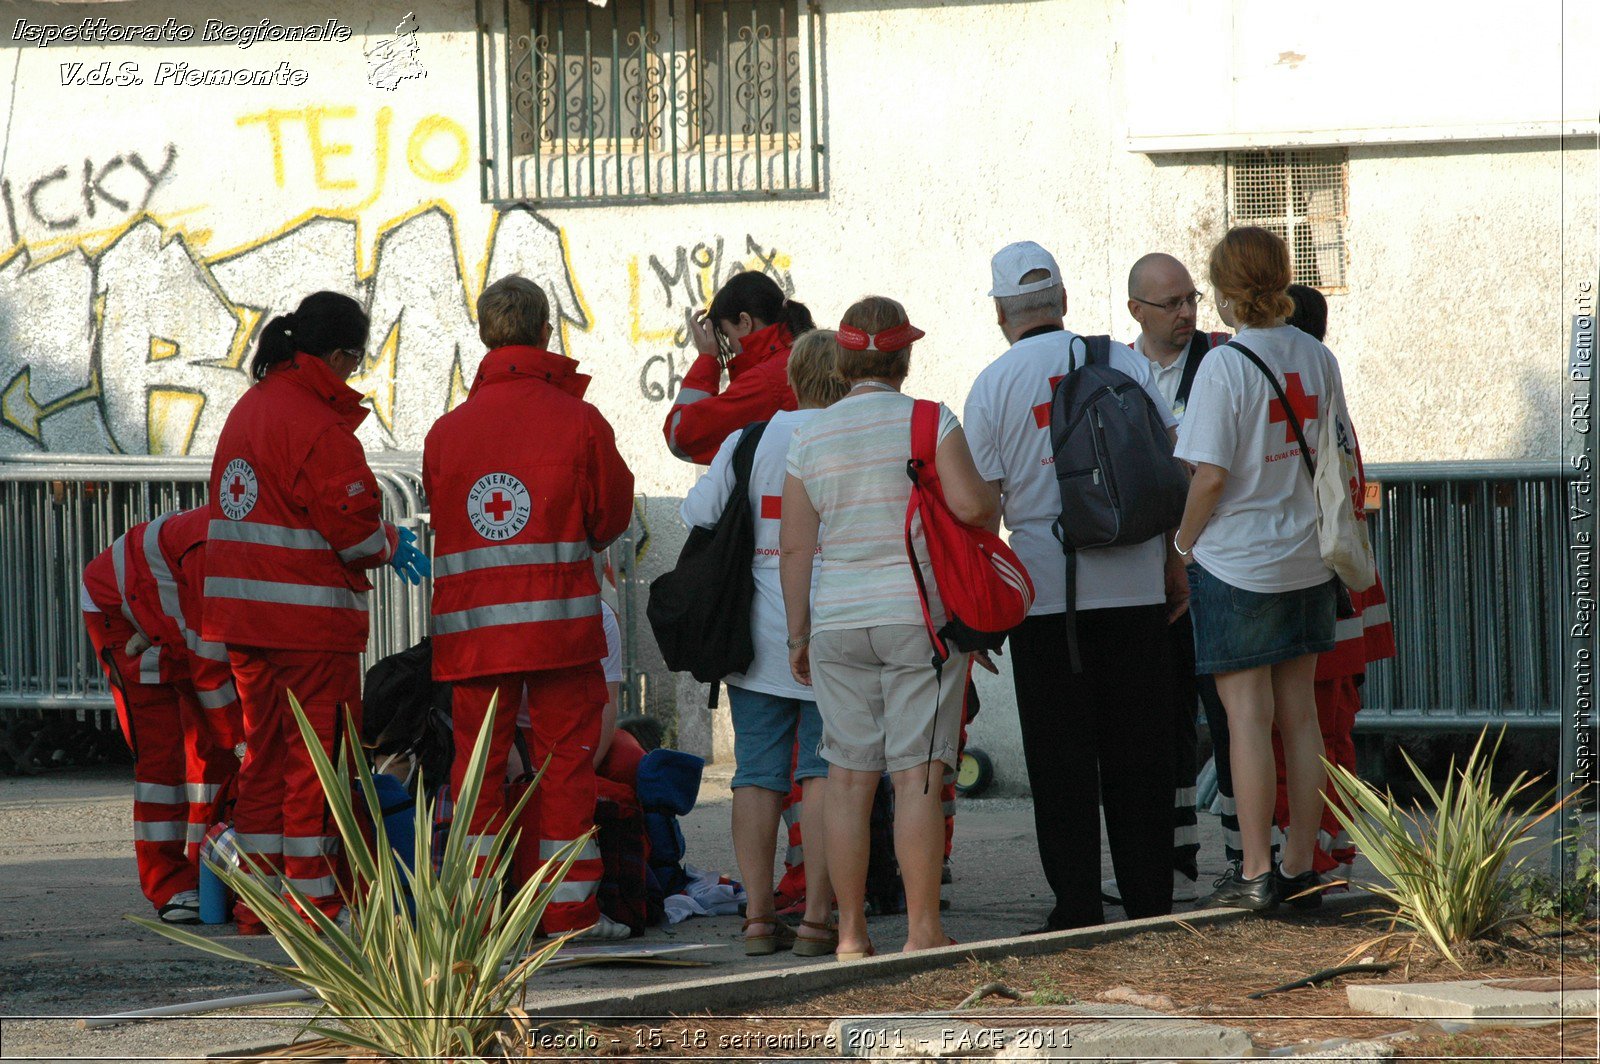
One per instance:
[(1014, 262)]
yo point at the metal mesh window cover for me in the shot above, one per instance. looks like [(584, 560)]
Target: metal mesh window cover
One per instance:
[(648, 99), (1300, 195)]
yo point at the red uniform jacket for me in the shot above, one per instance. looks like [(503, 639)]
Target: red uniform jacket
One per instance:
[(154, 577), (524, 484), (758, 387), (1369, 635), (294, 516)]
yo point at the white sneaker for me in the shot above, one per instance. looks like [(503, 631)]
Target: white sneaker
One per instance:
[(182, 908), (606, 930)]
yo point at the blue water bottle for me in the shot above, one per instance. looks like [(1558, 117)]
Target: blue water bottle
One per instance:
[(216, 900)]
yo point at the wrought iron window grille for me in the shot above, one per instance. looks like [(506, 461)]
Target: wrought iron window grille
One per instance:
[(649, 100), (1301, 195)]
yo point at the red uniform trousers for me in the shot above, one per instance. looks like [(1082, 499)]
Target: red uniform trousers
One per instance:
[(1338, 701), (564, 707), (183, 762), (281, 817)]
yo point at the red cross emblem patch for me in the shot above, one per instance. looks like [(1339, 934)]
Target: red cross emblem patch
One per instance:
[(1041, 413), (498, 506), (238, 490)]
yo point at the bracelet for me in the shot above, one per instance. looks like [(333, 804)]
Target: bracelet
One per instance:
[(796, 644), (1181, 552)]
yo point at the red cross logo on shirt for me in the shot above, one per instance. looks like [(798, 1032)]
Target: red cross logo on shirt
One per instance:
[(237, 488), (1041, 413), (772, 507), (1303, 405), (497, 507)]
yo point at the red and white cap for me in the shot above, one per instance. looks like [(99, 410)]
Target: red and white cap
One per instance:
[(891, 339)]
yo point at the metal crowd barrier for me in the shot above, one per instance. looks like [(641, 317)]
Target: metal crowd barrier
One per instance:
[(57, 511), (1473, 558)]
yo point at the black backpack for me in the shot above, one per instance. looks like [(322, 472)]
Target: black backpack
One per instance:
[(1119, 481), (700, 611)]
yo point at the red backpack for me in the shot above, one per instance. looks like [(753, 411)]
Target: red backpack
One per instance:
[(984, 585)]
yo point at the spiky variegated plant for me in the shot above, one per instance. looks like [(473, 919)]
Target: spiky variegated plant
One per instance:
[(1447, 871), (431, 961)]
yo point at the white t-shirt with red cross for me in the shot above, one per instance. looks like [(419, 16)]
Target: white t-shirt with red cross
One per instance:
[(769, 627), (1007, 419), (1263, 533)]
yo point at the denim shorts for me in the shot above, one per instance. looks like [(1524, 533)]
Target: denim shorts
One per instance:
[(764, 731), (1236, 629)]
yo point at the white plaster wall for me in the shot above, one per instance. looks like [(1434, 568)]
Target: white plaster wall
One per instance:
[(951, 129)]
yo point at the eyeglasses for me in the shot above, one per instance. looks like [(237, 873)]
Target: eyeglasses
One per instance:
[(1193, 299)]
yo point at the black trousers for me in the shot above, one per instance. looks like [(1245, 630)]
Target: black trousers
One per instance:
[(1189, 691), (1105, 732)]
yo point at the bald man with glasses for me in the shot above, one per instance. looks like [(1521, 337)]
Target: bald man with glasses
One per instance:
[(1163, 299)]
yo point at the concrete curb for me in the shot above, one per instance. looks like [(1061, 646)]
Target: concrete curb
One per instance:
[(738, 993)]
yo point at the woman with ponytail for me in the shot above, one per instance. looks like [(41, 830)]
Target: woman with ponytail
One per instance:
[(1262, 599), (747, 330), (295, 523)]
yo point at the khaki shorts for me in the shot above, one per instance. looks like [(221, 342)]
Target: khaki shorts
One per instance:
[(877, 693)]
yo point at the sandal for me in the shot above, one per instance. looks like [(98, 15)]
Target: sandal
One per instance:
[(763, 945), (806, 946), (857, 955)]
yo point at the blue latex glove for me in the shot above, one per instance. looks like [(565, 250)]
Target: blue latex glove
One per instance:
[(408, 560)]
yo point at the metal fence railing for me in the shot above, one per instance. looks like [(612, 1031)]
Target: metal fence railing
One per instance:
[(1473, 557), (57, 511)]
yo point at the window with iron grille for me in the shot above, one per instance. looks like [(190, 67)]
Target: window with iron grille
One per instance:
[(1300, 195), (649, 99)]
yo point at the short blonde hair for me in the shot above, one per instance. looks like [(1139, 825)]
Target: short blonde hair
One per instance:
[(872, 315), (814, 369), (513, 310), (1250, 268)]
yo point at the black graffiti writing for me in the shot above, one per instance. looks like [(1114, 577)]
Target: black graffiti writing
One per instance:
[(660, 378), (125, 182)]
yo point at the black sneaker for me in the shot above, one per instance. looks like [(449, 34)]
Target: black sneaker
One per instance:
[(1233, 891), (1290, 886)]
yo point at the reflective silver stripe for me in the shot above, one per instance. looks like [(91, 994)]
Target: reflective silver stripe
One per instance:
[(267, 535), (480, 845), (222, 696), (373, 544), (513, 613), (119, 565), (201, 792), (569, 891), (548, 848), (1374, 615), (197, 834), (160, 830), (1183, 797), (309, 845), (159, 794), (948, 808), (794, 855), (335, 598), (150, 666), (201, 648), (684, 398), (259, 843), (1347, 628), (320, 887), (468, 561), (166, 583), (1188, 835)]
